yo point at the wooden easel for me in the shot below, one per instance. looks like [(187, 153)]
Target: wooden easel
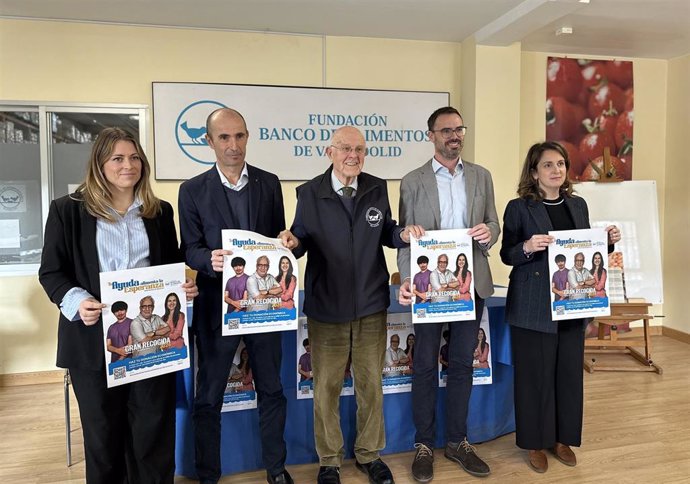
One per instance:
[(622, 313)]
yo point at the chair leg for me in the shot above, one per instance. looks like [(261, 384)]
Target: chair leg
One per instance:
[(68, 424)]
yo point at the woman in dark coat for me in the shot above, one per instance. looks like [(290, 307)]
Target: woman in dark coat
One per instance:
[(112, 222), (547, 355)]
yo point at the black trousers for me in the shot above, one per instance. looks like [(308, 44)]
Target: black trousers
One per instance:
[(215, 354), (129, 430), (463, 340), (548, 385)]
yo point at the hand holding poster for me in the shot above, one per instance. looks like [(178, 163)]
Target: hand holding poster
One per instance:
[(147, 345), (260, 302), (579, 286), (441, 262)]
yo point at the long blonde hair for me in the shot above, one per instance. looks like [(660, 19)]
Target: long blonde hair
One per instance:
[(94, 191)]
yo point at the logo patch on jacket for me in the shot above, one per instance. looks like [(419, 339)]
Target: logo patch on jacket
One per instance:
[(373, 216)]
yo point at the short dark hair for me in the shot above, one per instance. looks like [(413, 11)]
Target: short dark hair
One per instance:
[(118, 306), (305, 342), (238, 261), (422, 259), (559, 258), (440, 111)]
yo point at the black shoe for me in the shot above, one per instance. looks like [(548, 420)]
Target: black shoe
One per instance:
[(282, 478), (328, 475), (465, 455), (378, 472), (423, 464)]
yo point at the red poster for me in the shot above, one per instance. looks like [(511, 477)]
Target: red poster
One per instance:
[(589, 105)]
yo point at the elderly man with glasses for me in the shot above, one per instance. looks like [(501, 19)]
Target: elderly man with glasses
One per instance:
[(343, 220), (147, 327), (580, 279), (447, 192)]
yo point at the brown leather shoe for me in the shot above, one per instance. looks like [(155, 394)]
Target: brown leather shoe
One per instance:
[(537, 461), (564, 454)]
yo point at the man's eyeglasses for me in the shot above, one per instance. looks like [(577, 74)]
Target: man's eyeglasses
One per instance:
[(443, 261), (359, 150), (448, 132), (262, 265), (146, 306)]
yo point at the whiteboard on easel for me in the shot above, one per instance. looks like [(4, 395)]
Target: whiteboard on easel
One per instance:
[(633, 207)]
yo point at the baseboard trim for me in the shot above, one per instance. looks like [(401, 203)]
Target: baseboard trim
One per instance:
[(31, 378), (676, 334)]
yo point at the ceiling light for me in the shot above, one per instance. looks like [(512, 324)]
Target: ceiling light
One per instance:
[(564, 31)]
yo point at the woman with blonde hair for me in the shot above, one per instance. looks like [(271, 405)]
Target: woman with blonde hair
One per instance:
[(112, 222)]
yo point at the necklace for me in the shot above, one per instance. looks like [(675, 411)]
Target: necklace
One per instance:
[(557, 201)]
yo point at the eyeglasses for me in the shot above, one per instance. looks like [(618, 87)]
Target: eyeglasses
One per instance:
[(579, 260), (446, 133), (359, 150), (146, 306), (443, 261), (262, 265)]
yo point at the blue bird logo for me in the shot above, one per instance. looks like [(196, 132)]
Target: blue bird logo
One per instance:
[(197, 135)]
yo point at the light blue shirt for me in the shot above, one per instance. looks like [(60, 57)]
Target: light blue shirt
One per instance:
[(244, 179), (123, 244), (337, 185), (451, 195)]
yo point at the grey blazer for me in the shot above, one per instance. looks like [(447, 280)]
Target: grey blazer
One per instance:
[(419, 204)]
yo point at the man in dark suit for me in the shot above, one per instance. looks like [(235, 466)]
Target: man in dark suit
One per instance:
[(231, 195), (447, 193)]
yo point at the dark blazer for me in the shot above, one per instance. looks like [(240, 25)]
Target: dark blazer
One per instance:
[(528, 303), (70, 259), (204, 212)]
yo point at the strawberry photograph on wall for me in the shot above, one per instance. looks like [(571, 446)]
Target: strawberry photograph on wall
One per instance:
[(589, 106)]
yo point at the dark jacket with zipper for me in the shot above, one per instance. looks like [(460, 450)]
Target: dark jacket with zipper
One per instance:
[(346, 276)]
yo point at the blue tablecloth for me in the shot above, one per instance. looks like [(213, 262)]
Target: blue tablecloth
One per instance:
[(491, 410)]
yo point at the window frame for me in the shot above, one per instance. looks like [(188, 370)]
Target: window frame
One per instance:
[(45, 109)]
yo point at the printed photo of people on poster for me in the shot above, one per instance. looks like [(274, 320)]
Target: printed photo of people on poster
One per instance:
[(144, 322), (260, 289)]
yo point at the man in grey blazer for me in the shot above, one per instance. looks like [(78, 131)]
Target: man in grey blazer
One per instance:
[(447, 193)]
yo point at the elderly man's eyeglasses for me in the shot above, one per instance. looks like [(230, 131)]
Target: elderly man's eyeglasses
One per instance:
[(448, 132), (146, 306), (359, 150), (262, 265)]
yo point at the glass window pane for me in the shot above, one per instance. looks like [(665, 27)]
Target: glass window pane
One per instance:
[(72, 139), (21, 220)]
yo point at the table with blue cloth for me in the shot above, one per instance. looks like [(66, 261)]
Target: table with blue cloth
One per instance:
[(491, 412)]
